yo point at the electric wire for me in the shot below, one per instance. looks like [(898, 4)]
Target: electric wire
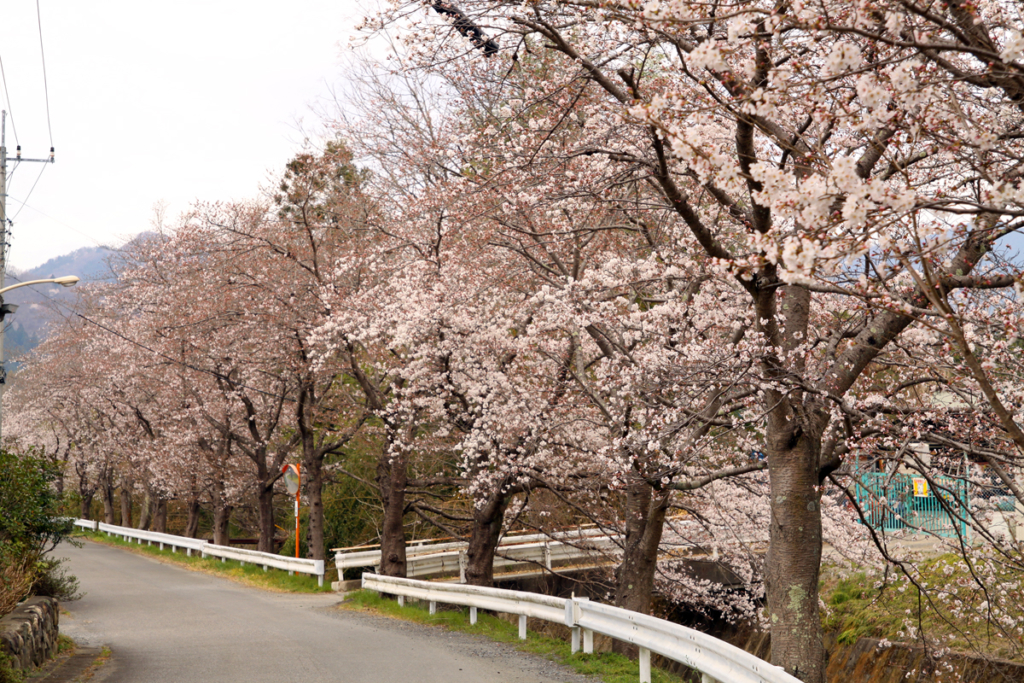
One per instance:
[(46, 87), (7, 97), (57, 220), (29, 192), (161, 354)]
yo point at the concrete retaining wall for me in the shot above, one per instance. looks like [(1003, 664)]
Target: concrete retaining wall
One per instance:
[(29, 633)]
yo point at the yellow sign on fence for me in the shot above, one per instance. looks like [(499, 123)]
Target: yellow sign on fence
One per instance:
[(920, 487)]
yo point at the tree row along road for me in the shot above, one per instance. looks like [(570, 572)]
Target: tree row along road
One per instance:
[(166, 624)]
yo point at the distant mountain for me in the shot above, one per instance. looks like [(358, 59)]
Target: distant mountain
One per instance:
[(39, 304)]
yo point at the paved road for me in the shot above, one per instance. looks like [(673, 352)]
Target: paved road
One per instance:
[(166, 624)]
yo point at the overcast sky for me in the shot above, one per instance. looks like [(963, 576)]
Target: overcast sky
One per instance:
[(156, 102)]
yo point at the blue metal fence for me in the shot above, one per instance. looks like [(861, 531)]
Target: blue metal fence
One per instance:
[(894, 502)]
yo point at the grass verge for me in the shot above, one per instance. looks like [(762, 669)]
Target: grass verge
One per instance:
[(606, 666), (954, 613), (273, 579)]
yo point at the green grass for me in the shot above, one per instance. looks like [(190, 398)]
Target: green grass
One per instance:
[(606, 666), (954, 617), (250, 575)]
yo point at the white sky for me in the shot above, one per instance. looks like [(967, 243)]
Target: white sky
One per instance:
[(156, 102)]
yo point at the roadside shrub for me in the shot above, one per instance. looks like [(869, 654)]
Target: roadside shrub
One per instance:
[(53, 581), (30, 525)]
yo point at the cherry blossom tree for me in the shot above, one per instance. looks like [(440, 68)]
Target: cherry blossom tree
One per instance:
[(814, 154)]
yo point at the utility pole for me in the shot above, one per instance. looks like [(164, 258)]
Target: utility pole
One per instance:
[(4, 224)]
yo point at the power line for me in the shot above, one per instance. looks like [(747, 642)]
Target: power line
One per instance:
[(7, 95), (163, 355), (158, 353), (57, 220), (46, 88), (29, 193)]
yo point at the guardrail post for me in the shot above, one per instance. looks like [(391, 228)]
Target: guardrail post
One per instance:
[(522, 627), (588, 641), (401, 601), (320, 580), (645, 665), (433, 607), (264, 567), (706, 678), (472, 615), (575, 639), (547, 555), (463, 561)]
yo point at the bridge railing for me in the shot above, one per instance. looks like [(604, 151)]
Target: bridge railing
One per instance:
[(717, 660), (206, 548), (541, 549)]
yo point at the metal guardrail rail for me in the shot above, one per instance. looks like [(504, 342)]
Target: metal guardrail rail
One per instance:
[(717, 660), (290, 564), (424, 560), (206, 548)]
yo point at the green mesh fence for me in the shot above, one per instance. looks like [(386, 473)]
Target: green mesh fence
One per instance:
[(909, 502)]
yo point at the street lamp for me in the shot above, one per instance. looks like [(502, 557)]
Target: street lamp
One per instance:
[(63, 281), (7, 309)]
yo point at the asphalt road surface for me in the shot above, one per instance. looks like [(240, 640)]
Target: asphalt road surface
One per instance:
[(165, 624)]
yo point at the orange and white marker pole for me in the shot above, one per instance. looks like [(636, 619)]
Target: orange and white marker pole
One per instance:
[(298, 494)]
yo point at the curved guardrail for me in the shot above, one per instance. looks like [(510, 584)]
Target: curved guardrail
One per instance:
[(206, 548), (716, 659)]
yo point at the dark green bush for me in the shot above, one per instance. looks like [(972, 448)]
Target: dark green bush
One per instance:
[(54, 581), (30, 524)]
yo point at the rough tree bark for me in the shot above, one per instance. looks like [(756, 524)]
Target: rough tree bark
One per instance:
[(85, 510), (483, 539), (146, 510), (265, 500), (313, 479), (160, 515), (192, 525), (392, 478), (221, 524), (107, 494), (126, 504), (793, 563)]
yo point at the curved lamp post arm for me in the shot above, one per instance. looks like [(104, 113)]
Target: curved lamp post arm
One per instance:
[(66, 281)]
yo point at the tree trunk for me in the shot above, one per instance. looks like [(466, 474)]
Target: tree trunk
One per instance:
[(645, 521), (266, 512), (192, 525), (146, 510), (483, 539), (107, 493), (126, 505), (313, 478), (392, 478), (85, 511), (794, 555), (160, 515), (221, 524)]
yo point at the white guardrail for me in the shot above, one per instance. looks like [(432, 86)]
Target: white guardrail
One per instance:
[(206, 548), (436, 558), (717, 660)]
